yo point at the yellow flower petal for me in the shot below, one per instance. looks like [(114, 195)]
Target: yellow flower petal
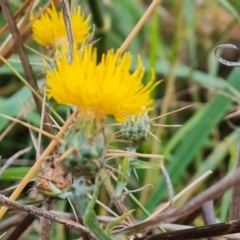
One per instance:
[(49, 29), (98, 90)]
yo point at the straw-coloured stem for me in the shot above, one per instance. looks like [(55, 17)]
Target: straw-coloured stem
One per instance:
[(38, 163)]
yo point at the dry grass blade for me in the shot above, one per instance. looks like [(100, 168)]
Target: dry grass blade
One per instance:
[(8, 190), (28, 106), (39, 162), (168, 183), (38, 147), (49, 135), (120, 153), (179, 195), (223, 61), (67, 20), (14, 157), (211, 193), (139, 25), (118, 202), (3, 235), (167, 126), (24, 59), (166, 114), (6, 49), (16, 15)]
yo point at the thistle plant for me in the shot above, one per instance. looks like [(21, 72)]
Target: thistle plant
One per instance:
[(96, 91), (96, 111), (88, 86)]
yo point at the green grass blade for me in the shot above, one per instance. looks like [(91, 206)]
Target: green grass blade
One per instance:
[(226, 4), (193, 134)]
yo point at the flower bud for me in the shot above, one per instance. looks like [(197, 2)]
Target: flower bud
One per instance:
[(136, 129), (89, 151)]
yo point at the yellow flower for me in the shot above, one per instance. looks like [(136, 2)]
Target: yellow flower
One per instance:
[(50, 30), (98, 90)]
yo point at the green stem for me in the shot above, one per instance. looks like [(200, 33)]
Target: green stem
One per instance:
[(112, 193), (101, 29), (136, 201)]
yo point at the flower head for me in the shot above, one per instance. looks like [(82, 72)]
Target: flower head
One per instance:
[(50, 30), (98, 90)]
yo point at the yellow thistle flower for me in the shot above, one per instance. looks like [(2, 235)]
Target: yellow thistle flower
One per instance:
[(98, 90), (50, 30)]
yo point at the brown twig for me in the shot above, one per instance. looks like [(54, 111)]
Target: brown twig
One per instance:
[(118, 201), (209, 216), (16, 15), (170, 227), (12, 221), (23, 224), (6, 49), (234, 211), (42, 213), (45, 222), (211, 193), (198, 232), (24, 59)]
